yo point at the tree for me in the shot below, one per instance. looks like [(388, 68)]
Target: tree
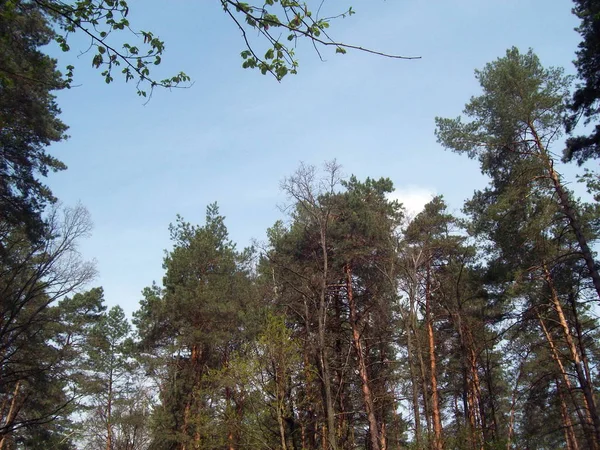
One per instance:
[(28, 116), (73, 319), (111, 370), (311, 245), (533, 243), (192, 327), (585, 101), (428, 245), (365, 247), (34, 359), (331, 272), (514, 122)]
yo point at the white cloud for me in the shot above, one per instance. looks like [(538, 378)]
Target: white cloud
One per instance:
[(413, 198)]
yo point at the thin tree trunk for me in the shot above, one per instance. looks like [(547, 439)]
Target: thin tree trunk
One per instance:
[(323, 357), (109, 444), (511, 419), (435, 407), (187, 412), (424, 388), (580, 343), (326, 380), (362, 367), (513, 404), (342, 425), (309, 424), (471, 385), (569, 212), (475, 390), (280, 399), (472, 411), (12, 413), (570, 438), (414, 383), (584, 382), (230, 432), (586, 421), (383, 435)]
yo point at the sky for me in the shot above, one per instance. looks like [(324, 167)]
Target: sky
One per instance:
[(234, 135)]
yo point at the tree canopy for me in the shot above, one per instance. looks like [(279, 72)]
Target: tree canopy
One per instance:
[(355, 325), (585, 101)]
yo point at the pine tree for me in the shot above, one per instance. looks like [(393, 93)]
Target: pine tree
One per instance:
[(514, 123), (193, 326)]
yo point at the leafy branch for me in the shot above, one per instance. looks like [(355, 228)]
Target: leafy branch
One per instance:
[(279, 22), (98, 19), (293, 19)]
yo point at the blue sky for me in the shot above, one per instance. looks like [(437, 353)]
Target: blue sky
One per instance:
[(235, 134)]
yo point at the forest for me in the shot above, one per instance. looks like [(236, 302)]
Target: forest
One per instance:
[(356, 324)]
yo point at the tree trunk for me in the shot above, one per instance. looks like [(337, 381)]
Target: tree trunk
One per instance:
[(586, 421), (280, 398), (475, 400), (12, 413), (342, 425), (569, 212), (326, 380), (491, 392), (383, 436), (570, 438), (362, 367), (471, 384), (414, 383), (194, 361), (435, 404), (230, 431), (323, 357), (513, 403), (109, 444), (584, 382), (424, 388)]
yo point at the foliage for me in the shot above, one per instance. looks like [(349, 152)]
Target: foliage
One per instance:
[(535, 235), (585, 101), (28, 116), (193, 326), (36, 336), (106, 24), (521, 104)]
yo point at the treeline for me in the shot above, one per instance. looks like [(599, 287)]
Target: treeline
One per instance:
[(353, 326)]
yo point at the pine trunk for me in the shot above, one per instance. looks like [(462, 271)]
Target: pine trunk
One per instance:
[(569, 212), (570, 438), (435, 405), (584, 382), (362, 367), (12, 413), (584, 420), (109, 444), (323, 357), (414, 384)]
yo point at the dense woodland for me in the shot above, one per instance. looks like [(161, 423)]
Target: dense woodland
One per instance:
[(355, 325)]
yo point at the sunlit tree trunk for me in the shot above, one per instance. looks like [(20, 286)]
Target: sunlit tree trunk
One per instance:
[(435, 404), (12, 413), (584, 420), (569, 432), (568, 210), (584, 382), (362, 367)]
